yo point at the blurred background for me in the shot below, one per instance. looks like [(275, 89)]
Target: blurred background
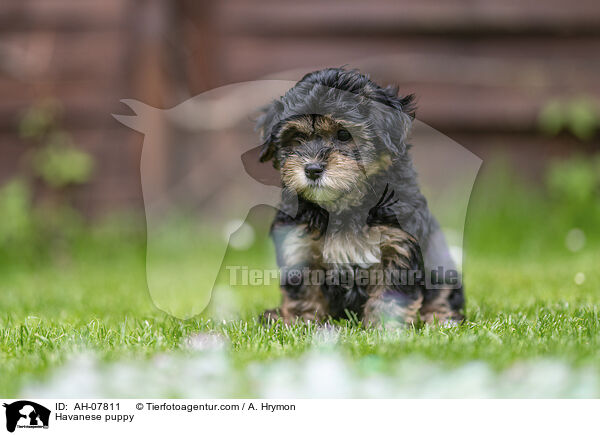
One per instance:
[(516, 83), (496, 76)]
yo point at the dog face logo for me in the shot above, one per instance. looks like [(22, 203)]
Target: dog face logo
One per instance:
[(326, 149), (26, 414)]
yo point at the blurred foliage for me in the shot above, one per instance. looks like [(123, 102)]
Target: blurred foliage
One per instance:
[(40, 119), (579, 116), (33, 234), (55, 158), (576, 181), (32, 231), (15, 207), (508, 216), (60, 165)]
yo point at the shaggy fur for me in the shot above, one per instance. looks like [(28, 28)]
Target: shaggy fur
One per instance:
[(351, 205)]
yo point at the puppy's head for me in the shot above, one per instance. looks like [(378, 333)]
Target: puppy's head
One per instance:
[(332, 132)]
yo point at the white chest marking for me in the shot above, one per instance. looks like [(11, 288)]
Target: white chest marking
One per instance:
[(362, 248)]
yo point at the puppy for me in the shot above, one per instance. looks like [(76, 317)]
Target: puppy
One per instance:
[(354, 236)]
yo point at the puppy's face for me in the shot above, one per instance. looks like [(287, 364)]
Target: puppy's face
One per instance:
[(326, 160)]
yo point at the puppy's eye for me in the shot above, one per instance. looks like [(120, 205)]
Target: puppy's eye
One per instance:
[(294, 139), (344, 135)]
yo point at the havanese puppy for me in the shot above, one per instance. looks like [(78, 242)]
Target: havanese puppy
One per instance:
[(354, 236)]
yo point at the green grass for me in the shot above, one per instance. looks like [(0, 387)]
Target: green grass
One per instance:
[(516, 311), (522, 303)]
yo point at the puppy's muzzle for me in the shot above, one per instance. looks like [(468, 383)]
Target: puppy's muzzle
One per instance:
[(314, 171)]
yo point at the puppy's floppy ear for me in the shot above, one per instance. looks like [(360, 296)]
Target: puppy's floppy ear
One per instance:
[(265, 124), (394, 115), (393, 127)]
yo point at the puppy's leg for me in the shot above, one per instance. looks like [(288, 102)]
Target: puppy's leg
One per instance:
[(443, 300), (396, 301), (299, 302), (297, 251), (443, 305), (306, 302), (393, 306)]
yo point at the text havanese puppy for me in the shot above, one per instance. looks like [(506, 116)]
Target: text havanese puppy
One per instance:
[(353, 235)]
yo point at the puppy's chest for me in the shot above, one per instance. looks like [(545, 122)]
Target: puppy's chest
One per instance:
[(344, 248)]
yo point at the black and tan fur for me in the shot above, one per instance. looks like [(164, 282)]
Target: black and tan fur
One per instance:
[(362, 214)]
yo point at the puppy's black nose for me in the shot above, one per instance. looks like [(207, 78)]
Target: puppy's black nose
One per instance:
[(313, 170)]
